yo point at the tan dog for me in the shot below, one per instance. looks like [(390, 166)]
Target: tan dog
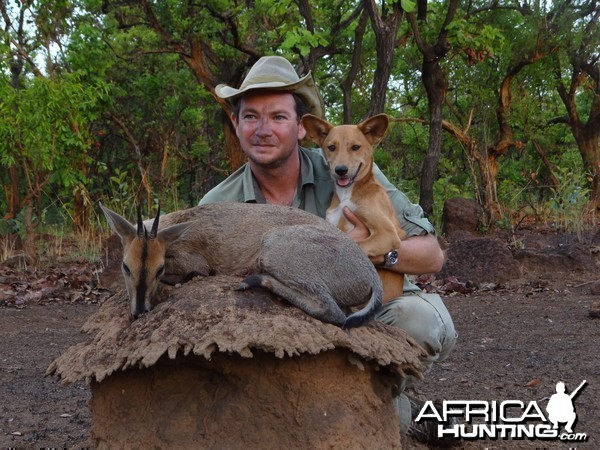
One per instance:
[(349, 153)]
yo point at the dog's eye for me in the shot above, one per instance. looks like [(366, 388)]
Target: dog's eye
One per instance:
[(331, 148), (355, 147), (160, 272), (126, 270)]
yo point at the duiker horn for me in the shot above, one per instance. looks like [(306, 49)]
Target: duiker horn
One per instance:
[(141, 229), (154, 229)]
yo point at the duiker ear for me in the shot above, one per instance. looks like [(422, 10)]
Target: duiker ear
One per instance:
[(171, 234), (374, 128), (316, 128), (118, 224)]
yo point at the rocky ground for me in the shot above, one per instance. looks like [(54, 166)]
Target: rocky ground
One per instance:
[(525, 306)]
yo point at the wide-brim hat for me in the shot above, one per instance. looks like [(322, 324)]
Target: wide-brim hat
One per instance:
[(275, 73)]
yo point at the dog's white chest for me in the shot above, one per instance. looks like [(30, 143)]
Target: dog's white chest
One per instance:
[(334, 215)]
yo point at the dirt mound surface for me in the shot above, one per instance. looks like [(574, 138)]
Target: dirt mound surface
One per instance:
[(516, 341), (207, 316)]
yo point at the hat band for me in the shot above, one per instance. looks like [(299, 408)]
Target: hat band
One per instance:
[(267, 79)]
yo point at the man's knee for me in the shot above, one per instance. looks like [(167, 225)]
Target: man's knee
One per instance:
[(425, 318)]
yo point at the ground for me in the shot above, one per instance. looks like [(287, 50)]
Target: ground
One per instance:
[(517, 340)]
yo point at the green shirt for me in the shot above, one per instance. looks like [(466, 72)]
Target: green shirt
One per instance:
[(315, 192), (313, 195)]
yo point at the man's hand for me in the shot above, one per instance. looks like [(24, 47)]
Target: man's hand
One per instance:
[(360, 232), (417, 255)]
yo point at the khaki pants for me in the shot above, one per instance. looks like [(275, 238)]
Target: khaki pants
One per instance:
[(423, 317)]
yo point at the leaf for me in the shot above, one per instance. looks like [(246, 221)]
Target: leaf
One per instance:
[(409, 6), (533, 383)]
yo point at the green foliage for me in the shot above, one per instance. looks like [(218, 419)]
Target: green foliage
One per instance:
[(43, 129), (121, 188), (477, 40), (409, 6), (302, 40), (569, 199), (115, 80)]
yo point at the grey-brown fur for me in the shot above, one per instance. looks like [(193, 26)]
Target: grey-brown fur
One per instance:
[(295, 254)]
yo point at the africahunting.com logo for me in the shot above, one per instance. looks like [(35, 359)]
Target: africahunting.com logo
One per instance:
[(508, 419)]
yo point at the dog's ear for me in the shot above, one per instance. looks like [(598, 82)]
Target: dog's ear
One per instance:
[(316, 128), (374, 128)]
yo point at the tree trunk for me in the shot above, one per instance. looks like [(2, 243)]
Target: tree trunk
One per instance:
[(590, 152), (504, 140), (29, 238), (489, 174), (347, 83), (197, 56), (436, 87), (385, 27), (12, 193), (586, 134), (547, 164)]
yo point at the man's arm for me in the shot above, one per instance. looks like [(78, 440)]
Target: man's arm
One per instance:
[(417, 254)]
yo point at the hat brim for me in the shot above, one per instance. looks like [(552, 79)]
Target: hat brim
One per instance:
[(229, 93), (304, 87)]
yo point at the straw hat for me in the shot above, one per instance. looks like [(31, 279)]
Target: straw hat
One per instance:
[(276, 73)]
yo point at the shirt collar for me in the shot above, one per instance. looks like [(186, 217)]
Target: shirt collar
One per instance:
[(307, 173), (248, 193), (251, 193)]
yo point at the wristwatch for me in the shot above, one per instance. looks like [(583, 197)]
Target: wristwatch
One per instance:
[(390, 258)]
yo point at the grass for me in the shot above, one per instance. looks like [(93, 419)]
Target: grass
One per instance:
[(66, 245), (55, 244), (7, 248)]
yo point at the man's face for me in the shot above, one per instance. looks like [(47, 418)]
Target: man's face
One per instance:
[(268, 127)]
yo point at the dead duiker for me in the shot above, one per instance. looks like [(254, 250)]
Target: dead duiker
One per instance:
[(292, 253)]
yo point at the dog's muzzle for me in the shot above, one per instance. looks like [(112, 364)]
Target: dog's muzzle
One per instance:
[(342, 179)]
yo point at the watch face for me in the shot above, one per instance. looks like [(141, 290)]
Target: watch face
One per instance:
[(391, 258)]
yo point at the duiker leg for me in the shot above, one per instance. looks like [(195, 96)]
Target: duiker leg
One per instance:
[(325, 265), (321, 307)]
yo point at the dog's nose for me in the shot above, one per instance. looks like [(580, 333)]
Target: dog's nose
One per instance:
[(341, 170)]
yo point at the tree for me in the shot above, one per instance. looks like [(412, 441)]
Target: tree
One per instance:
[(45, 112), (436, 86), (219, 41), (577, 27), (135, 81), (385, 23)]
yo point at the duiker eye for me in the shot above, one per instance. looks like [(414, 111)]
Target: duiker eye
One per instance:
[(160, 272), (126, 270)]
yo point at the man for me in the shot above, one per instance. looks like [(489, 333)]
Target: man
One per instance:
[(267, 112)]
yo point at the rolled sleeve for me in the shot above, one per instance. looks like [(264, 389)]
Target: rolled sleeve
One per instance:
[(410, 215)]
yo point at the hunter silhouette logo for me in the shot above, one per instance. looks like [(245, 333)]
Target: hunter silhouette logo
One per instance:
[(560, 407), (507, 419)]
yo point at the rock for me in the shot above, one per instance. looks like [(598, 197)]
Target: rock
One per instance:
[(595, 288), (215, 367), (481, 260), (462, 214), (560, 259)]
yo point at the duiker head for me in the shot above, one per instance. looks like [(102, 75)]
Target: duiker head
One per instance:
[(143, 256), (347, 148)]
